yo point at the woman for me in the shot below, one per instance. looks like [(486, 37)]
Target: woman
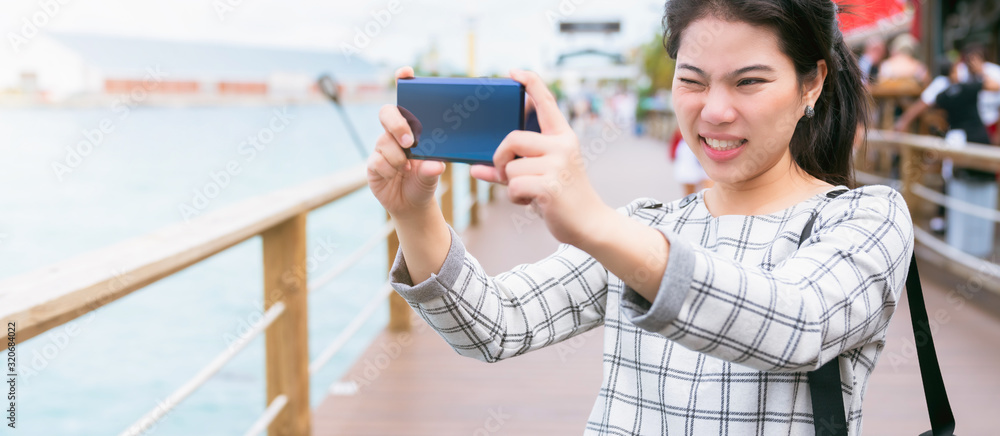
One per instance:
[(713, 312)]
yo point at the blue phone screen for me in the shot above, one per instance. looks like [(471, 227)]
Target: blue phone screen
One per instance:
[(460, 119)]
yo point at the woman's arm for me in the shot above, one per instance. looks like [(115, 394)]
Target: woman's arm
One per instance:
[(632, 251), (424, 238), (837, 292), (493, 318)]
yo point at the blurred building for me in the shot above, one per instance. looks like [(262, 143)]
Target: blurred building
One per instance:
[(81, 67)]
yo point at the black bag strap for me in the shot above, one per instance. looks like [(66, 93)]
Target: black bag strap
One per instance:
[(829, 417), (938, 406)]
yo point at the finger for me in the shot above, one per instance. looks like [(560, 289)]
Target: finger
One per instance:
[(485, 173), (517, 143), (387, 146), (528, 166), (404, 73), (394, 124), (550, 118), (377, 165), (523, 190)]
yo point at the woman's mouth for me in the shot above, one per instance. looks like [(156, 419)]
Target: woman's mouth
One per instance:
[(720, 149)]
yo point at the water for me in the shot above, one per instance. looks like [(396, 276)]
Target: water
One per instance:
[(101, 372)]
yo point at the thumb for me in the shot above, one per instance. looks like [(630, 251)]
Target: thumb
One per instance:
[(428, 171)]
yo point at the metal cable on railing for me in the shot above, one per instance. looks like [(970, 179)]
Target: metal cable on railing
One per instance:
[(208, 371), (954, 203), (365, 248), (265, 419), (355, 257), (967, 260), (352, 328)]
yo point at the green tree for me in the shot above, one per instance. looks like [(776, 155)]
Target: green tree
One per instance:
[(657, 71), (656, 65)]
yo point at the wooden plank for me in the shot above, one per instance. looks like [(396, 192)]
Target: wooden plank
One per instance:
[(980, 156), (287, 339), (45, 298), (413, 383)]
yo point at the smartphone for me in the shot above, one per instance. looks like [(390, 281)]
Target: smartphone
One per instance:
[(460, 119)]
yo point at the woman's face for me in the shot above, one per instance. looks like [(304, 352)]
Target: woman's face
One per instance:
[(737, 100)]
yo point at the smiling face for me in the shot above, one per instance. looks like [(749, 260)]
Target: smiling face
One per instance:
[(737, 100)]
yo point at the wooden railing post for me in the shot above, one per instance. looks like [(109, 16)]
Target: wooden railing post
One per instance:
[(474, 193), (399, 309), (447, 199), (287, 339), (911, 172)]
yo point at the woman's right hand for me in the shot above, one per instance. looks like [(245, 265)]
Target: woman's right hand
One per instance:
[(403, 186)]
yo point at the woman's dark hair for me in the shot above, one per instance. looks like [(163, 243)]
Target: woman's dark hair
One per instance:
[(807, 31)]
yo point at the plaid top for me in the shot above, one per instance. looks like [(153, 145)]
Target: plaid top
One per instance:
[(742, 313)]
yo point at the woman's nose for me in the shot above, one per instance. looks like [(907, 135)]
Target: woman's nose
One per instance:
[(718, 107)]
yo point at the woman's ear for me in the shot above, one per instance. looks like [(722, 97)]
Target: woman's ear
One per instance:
[(814, 87)]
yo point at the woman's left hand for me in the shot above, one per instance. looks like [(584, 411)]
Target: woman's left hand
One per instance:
[(551, 173)]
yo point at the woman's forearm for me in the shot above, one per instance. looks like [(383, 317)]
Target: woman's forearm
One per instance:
[(632, 251), (425, 239)]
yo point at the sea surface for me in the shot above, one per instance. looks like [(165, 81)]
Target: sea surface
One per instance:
[(68, 188)]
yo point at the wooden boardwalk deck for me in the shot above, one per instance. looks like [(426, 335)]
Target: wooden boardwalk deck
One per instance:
[(414, 384)]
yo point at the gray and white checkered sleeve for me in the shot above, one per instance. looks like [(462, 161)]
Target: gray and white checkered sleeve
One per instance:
[(526, 308), (836, 292)]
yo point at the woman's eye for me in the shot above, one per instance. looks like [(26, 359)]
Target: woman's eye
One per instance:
[(745, 82), (689, 82)]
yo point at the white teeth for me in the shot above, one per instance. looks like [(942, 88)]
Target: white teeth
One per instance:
[(723, 145)]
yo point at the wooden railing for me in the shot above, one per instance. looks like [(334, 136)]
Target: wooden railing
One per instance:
[(919, 161), (892, 95), (41, 300)]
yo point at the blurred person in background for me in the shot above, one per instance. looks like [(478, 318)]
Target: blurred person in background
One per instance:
[(988, 104), (901, 64), (687, 170), (960, 100), (871, 58)]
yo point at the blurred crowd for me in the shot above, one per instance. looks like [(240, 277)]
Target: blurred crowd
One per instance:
[(964, 92)]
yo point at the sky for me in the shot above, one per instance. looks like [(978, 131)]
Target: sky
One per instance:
[(509, 33)]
